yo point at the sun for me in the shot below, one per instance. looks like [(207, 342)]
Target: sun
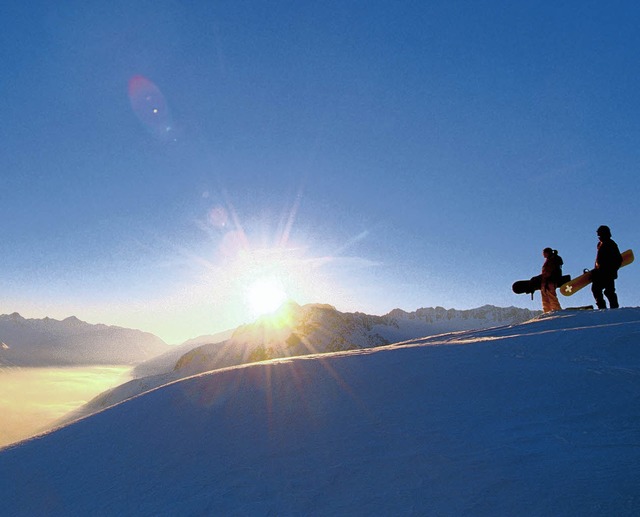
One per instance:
[(265, 295)]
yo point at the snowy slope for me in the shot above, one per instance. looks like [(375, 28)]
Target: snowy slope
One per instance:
[(50, 342), (301, 330), (540, 418)]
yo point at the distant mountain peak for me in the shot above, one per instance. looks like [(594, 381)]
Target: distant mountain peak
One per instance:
[(50, 342), (72, 320)]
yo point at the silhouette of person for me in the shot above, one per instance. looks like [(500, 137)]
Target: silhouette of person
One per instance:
[(603, 277), (550, 277)]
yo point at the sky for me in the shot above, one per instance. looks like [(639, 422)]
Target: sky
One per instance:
[(162, 160)]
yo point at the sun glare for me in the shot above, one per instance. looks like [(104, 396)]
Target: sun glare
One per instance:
[(265, 296)]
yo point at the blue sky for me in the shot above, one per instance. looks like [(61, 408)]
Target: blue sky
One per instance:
[(370, 155)]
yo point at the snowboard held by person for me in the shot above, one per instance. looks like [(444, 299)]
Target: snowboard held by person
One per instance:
[(608, 261), (550, 277)]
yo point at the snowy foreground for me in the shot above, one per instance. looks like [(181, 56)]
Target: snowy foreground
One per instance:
[(541, 418)]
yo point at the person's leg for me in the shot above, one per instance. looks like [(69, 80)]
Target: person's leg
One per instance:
[(596, 289), (553, 299), (547, 302), (610, 293)]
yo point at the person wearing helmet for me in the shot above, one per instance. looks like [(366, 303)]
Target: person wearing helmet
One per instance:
[(549, 279), (608, 261)]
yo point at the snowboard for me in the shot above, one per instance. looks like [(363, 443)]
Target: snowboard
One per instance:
[(527, 286), (533, 284), (573, 286)]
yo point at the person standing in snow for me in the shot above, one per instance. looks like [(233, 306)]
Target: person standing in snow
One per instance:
[(608, 261), (550, 277)]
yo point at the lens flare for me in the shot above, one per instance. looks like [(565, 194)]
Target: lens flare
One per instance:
[(150, 106), (218, 217)]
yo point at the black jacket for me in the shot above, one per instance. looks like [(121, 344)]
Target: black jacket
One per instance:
[(608, 258)]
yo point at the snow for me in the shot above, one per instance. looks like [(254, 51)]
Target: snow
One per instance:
[(300, 330), (539, 418)]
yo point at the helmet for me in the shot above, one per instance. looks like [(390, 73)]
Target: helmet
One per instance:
[(603, 231)]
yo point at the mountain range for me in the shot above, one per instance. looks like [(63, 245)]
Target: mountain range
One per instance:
[(315, 328), (50, 342)]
